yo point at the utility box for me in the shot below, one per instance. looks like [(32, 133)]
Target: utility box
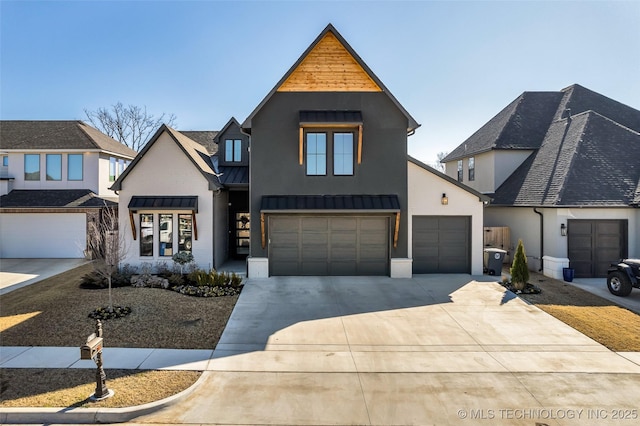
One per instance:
[(498, 237), (493, 259)]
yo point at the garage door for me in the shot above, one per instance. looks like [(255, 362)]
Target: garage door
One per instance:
[(594, 244), (441, 244), (31, 235), (328, 245)]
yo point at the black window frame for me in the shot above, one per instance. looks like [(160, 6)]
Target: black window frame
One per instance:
[(330, 149), (315, 154), (146, 240), (471, 163), (235, 144), (460, 171)]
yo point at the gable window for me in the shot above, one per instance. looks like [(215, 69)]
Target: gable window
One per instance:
[(32, 167), (233, 150), (472, 168), (5, 160), (74, 167), (343, 154), (146, 235), (316, 148), (460, 171), (54, 167), (112, 169)]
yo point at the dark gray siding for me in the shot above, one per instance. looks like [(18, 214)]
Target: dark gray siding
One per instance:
[(275, 169), (233, 132)]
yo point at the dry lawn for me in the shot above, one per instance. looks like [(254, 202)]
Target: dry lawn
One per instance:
[(605, 322), (72, 387), (54, 312)]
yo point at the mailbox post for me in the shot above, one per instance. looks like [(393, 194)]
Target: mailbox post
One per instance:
[(93, 350)]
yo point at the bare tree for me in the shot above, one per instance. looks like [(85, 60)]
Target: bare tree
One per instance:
[(131, 125), (438, 164), (105, 245)]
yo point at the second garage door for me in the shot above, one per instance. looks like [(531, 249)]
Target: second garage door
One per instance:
[(594, 244), (441, 244), (329, 245)]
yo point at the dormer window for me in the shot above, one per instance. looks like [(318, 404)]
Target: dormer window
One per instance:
[(233, 150)]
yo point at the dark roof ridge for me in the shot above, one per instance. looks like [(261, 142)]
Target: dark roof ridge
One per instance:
[(592, 112)]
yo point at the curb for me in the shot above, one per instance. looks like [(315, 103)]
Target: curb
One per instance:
[(32, 415)]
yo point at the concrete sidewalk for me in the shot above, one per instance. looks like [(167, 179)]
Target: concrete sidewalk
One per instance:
[(436, 349), (114, 358)]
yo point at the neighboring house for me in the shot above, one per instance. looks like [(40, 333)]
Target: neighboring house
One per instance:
[(55, 177), (328, 188), (563, 171)]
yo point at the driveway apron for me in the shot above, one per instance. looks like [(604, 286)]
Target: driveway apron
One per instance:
[(434, 349)]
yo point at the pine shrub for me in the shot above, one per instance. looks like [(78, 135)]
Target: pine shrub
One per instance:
[(519, 268)]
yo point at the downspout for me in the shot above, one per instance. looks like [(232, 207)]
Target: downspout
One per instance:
[(535, 210)]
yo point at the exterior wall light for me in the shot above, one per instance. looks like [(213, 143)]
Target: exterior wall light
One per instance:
[(563, 229), (445, 199)]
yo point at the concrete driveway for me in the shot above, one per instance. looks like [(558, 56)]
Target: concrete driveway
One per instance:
[(436, 349), (17, 273)]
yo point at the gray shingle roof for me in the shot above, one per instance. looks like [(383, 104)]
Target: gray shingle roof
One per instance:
[(521, 125), (524, 122), (57, 135), (47, 198), (204, 138), (587, 160)]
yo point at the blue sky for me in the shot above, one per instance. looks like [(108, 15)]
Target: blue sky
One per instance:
[(452, 64)]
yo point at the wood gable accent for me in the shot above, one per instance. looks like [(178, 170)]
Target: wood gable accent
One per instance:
[(329, 67)]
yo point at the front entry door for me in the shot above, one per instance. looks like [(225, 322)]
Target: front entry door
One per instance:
[(242, 226)]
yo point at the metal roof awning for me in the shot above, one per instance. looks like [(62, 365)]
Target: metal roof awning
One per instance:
[(154, 202), (330, 203), (330, 117), (164, 203)]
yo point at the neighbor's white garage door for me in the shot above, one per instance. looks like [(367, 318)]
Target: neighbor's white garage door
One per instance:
[(43, 235)]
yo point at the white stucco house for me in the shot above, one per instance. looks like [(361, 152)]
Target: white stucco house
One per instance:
[(563, 171), (54, 178)]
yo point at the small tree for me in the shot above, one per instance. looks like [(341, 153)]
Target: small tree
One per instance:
[(519, 268), (105, 246), (182, 258)]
